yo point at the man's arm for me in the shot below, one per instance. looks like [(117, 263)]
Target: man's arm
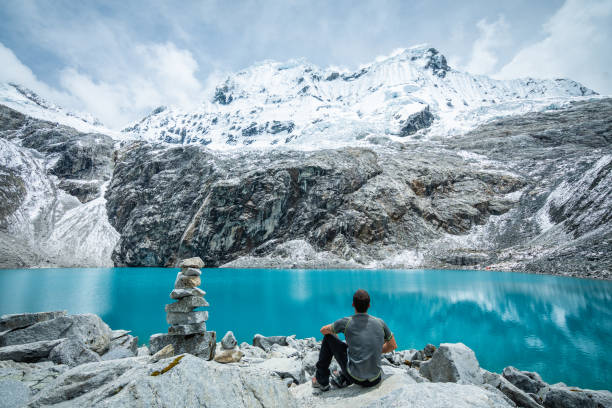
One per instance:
[(328, 329), (388, 346)]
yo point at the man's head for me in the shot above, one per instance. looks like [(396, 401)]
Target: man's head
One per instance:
[(361, 301)]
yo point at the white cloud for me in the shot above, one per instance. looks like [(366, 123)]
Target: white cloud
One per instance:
[(164, 75), (492, 36), (577, 46)]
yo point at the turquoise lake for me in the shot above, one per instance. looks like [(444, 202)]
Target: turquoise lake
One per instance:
[(559, 327)]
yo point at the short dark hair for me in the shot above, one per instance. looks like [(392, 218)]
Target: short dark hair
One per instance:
[(361, 301)]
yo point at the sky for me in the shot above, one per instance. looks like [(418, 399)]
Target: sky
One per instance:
[(118, 60)]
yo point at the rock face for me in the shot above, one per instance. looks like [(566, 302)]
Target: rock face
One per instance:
[(477, 196)]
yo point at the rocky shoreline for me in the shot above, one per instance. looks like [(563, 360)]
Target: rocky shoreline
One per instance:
[(56, 359)]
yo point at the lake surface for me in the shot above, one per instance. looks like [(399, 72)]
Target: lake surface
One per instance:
[(559, 327)]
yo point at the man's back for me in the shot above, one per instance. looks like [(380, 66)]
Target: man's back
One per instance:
[(365, 336)]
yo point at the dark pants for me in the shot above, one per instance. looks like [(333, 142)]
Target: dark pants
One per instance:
[(332, 346)]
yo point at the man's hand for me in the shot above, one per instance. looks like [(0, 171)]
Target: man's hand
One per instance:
[(388, 346), (327, 329)]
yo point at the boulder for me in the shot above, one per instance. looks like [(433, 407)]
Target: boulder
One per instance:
[(34, 375), (525, 380), (18, 321), (29, 352), (195, 263), (116, 334), (186, 318), (200, 344), (127, 342), (143, 351), (265, 343), (453, 362), (229, 356), (515, 394), (186, 329), (88, 328), (282, 351), (309, 362), (229, 341), (181, 293), (187, 304), (191, 272), (399, 390), (252, 351), (186, 282), (572, 397), (72, 352), (183, 381), (14, 394), (429, 350)]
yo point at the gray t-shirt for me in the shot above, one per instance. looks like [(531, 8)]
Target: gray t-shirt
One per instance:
[(365, 336)]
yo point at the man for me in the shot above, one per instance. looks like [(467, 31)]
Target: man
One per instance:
[(367, 337)]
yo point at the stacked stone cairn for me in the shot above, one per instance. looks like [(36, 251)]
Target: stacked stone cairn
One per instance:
[(187, 332)]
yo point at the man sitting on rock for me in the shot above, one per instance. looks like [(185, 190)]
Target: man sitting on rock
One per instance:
[(367, 337)]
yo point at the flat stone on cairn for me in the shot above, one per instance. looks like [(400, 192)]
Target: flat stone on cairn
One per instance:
[(187, 332)]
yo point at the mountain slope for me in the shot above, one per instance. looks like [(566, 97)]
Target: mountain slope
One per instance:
[(301, 106)]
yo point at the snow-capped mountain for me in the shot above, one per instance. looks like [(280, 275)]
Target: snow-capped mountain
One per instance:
[(302, 106), (30, 103)]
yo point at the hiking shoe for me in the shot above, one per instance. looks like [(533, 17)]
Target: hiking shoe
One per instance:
[(339, 380), (315, 384)]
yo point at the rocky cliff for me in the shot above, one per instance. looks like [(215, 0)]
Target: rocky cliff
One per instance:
[(529, 192)]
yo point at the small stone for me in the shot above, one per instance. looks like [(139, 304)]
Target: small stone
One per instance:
[(186, 282), (186, 329), (195, 262), (229, 341), (165, 352), (229, 356), (181, 293), (18, 321), (191, 272), (186, 318), (265, 343), (187, 304)]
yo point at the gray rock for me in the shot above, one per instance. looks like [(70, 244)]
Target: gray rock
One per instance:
[(72, 352), (34, 375), (252, 351), (228, 342), (229, 356), (283, 351), (525, 380), (265, 343), (15, 394), (186, 318), (518, 396), (187, 304), (184, 382), (191, 272), (186, 282), (195, 263), (126, 341), (309, 362), (201, 344), (18, 321), (181, 293), (88, 328), (572, 397), (453, 362), (186, 329), (29, 352)]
